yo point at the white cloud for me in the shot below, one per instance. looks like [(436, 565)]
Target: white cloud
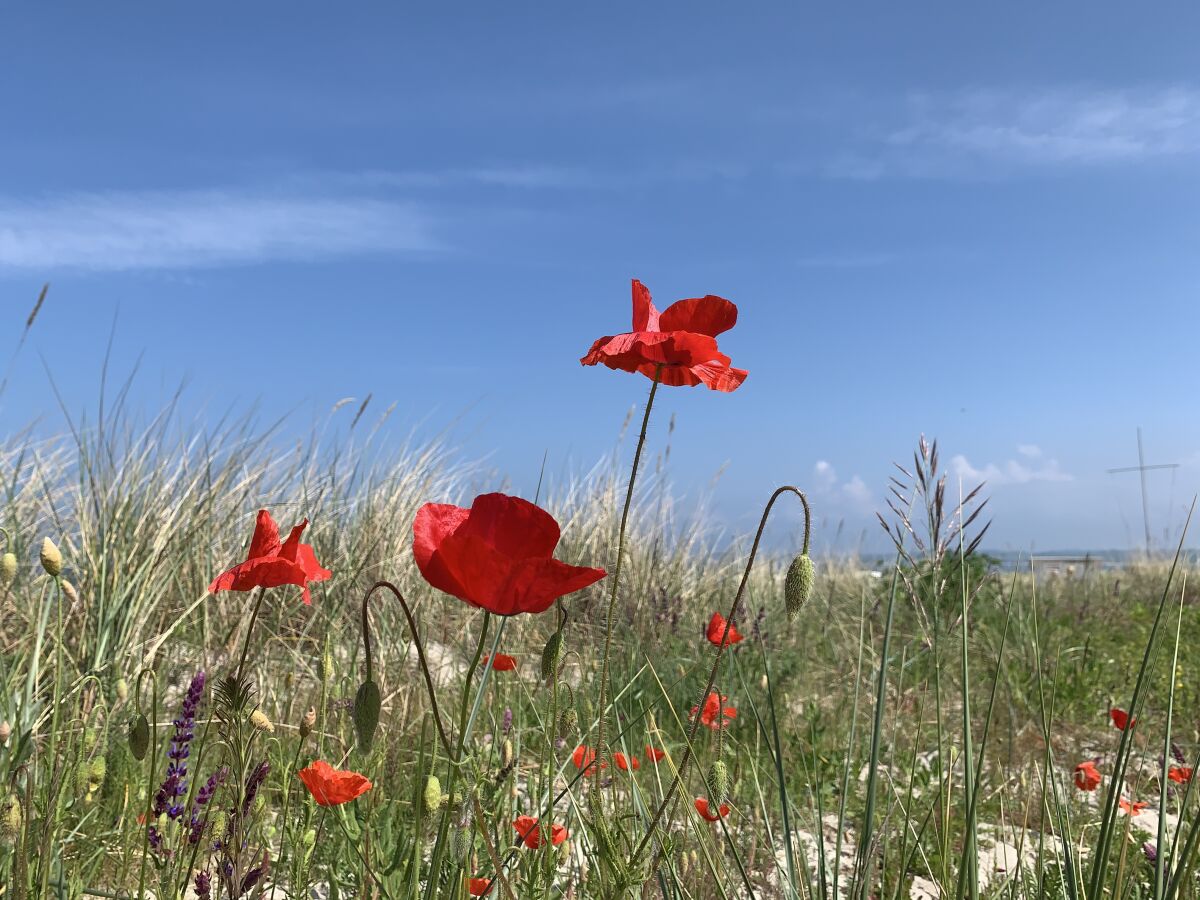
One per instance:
[(183, 229), (824, 475), (853, 493), (856, 489), (1030, 451), (1009, 472)]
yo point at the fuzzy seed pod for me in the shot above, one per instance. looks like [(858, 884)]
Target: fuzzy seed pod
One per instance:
[(366, 713), (122, 689), (506, 754), (718, 782), (8, 569), (98, 769), (139, 736), (432, 796), (568, 721), (260, 721), (552, 656), (460, 844), (51, 558), (5, 731), (11, 818), (307, 723), (69, 592), (89, 739), (798, 585)]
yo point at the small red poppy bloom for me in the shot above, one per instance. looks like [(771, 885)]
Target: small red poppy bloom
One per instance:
[(502, 663), (272, 564), (721, 631), (532, 836), (1132, 808), (1120, 719), (706, 813), (680, 343), (586, 756), (715, 715), (479, 887), (330, 786), (497, 555), (1087, 776), (1180, 774), (654, 753), (625, 764)]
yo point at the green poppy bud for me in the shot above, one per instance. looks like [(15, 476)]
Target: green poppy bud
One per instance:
[(552, 656), (11, 818), (568, 721), (8, 569), (718, 782), (89, 739), (366, 713), (432, 797), (139, 736), (461, 844), (798, 585), (51, 558)]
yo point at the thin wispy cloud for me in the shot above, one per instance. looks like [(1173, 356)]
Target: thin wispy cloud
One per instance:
[(982, 131), (1033, 467), (852, 494), (187, 229)]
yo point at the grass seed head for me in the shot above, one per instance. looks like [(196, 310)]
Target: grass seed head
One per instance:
[(260, 721)]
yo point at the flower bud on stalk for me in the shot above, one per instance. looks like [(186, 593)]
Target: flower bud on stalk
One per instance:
[(718, 782), (552, 656), (260, 721), (8, 569), (11, 818), (51, 558), (367, 703), (307, 723), (139, 736), (568, 721), (798, 585), (432, 797)]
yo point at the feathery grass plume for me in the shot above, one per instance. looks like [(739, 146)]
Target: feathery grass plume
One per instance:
[(307, 721), (798, 585), (432, 796), (260, 721), (51, 558), (8, 568)]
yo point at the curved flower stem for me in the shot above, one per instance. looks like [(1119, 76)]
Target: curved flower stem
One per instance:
[(250, 630), (712, 676), (416, 636), (601, 749)]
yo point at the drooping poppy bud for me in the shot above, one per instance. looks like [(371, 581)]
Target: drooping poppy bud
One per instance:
[(568, 721), (11, 818), (798, 585), (432, 797), (718, 781), (8, 569), (139, 736), (51, 558), (367, 703), (551, 657), (307, 723)]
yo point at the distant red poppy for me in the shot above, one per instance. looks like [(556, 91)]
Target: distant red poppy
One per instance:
[(1132, 808), (706, 813), (680, 343), (586, 756), (497, 555), (1087, 776), (532, 836), (479, 887), (272, 564), (721, 631), (625, 764), (330, 786), (715, 715), (654, 753), (1120, 719), (502, 663), (1180, 774)]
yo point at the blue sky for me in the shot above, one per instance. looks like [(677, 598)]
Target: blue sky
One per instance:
[(975, 223)]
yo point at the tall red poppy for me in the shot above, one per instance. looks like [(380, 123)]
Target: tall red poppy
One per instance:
[(1133, 808), (272, 564), (626, 763), (715, 715), (680, 343), (330, 786), (654, 753), (1087, 776), (585, 757), (497, 555), (532, 836), (479, 887), (502, 663), (702, 807), (721, 631), (1180, 774), (1120, 719)]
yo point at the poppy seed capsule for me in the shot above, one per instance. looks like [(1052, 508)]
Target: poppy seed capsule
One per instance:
[(139, 736), (433, 795), (366, 713), (307, 723), (798, 585), (8, 568), (718, 782), (551, 656), (51, 558), (260, 721)]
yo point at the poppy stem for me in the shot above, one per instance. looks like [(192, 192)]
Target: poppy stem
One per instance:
[(246, 640), (712, 676), (601, 749)]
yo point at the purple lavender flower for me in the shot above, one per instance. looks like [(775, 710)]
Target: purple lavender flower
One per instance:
[(167, 799), (253, 783), (203, 796), (203, 885), (1177, 752), (1151, 852), (506, 722)]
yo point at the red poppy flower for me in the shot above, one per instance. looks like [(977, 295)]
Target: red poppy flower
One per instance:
[(714, 714), (1087, 776), (1132, 808), (330, 786), (680, 343), (654, 753), (272, 564), (502, 663), (1180, 774), (532, 836), (586, 756), (722, 632), (625, 764), (497, 555), (1120, 719), (707, 814), (479, 887)]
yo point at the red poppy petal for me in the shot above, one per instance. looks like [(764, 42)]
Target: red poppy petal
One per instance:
[(265, 541), (270, 571), (708, 315), (307, 560), (292, 545), (645, 316), (516, 528), (433, 524), (720, 378)]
